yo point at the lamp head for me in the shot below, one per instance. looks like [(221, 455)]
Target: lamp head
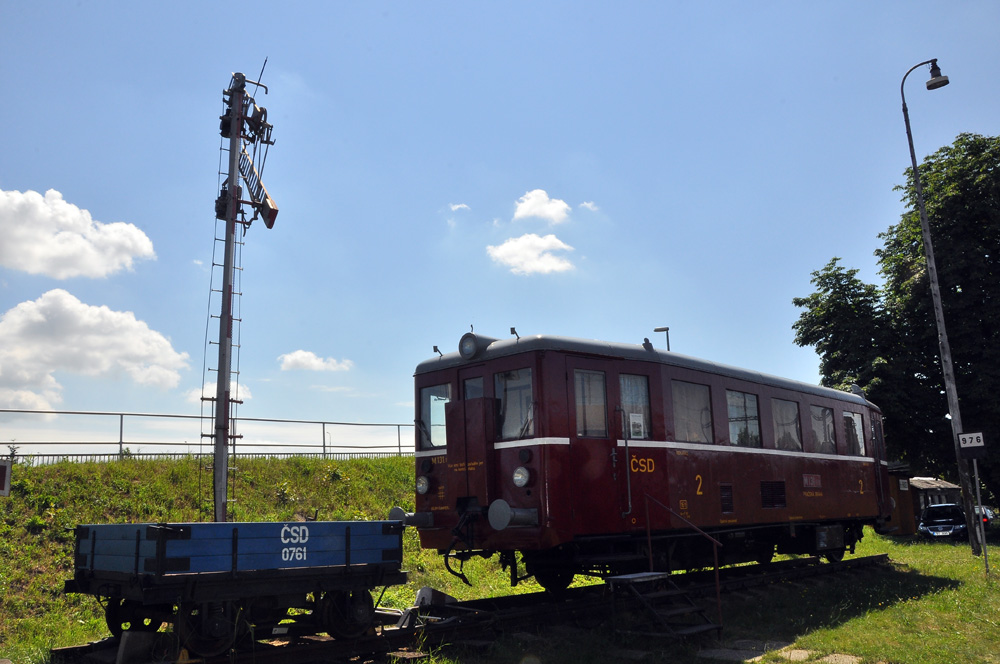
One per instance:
[(937, 80)]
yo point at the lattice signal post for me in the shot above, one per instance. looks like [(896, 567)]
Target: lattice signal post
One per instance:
[(245, 125)]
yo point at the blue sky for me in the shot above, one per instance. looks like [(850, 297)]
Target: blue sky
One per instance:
[(585, 169)]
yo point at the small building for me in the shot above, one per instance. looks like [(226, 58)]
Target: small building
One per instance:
[(912, 494), (932, 491)]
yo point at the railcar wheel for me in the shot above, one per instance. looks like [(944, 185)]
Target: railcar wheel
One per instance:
[(834, 556), (765, 555), (209, 629), (553, 579), (346, 614), (129, 615)]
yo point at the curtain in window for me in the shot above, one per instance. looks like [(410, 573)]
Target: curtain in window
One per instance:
[(635, 406), (787, 431), (692, 412)]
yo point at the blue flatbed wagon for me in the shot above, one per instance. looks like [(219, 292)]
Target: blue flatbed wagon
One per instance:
[(217, 582)]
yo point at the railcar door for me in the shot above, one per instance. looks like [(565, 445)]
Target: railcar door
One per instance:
[(469, 442), (599, 467)]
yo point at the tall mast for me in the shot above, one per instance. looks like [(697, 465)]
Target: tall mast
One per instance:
[(243, 121)]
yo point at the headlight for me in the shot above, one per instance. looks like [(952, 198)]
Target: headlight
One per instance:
[(521, 476), (423, 485), (467, 346)]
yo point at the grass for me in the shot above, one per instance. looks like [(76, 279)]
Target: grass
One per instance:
[(933, 604), (47, 502)]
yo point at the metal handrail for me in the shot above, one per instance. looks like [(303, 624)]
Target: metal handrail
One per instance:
[(324, 445), (716, 544)]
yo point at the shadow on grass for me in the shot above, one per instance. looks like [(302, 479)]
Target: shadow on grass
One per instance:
[(788, 610)]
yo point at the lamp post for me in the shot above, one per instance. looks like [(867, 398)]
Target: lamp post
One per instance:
[(938, 81), (664, 329)]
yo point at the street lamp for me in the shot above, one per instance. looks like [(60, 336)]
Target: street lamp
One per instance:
[(938, 81), (664, 329)]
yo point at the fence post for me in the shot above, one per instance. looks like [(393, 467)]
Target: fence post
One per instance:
[(121, 433), (324, 441)]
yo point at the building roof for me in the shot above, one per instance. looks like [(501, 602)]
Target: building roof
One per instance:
[(931, 483)]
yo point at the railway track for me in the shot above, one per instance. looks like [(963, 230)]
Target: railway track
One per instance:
[(451, 622)]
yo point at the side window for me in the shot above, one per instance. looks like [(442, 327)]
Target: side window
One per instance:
[(744, 419), (877, 440), (824, 437), (635, 406), (515, 414), (473, 388), (692, 412), (591, 404), (431, 425), (787, 430), (854, 433)]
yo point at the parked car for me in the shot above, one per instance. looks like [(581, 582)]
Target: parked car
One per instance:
[(940, 521), (986, 514)]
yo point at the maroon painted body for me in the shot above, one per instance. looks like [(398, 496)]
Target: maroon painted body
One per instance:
[(618, 447)]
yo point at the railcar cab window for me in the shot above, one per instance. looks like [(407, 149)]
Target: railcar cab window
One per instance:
[(431, 425), (692, 412), (591, 404), (744, 419), (787, 429), (473, 388), (854, 433), (824, 436), (635, 406), (515, 414)]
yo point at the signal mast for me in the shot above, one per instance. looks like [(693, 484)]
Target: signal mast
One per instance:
[(245, 125)]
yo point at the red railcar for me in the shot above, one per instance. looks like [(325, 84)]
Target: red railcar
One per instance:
[(600, 458)]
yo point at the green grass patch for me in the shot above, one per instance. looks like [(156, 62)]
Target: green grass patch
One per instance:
[(932, 604)]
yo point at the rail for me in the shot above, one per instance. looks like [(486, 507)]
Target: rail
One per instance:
[(84, 436), (715, 548)]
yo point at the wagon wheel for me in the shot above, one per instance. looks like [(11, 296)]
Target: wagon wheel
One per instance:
[(553, 579), (346, 614), (209, 629), (834, 556), (128, 614), (765, 555)]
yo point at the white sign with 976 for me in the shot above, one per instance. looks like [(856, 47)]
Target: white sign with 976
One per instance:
[(972, 445)]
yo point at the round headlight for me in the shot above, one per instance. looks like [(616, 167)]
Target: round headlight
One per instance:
[(423, 485), (521, 476), (467, 346)]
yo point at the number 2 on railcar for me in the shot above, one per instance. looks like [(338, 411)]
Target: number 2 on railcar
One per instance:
[(597, 458)]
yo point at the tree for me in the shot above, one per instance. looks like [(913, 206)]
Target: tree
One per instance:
[(899, 367)]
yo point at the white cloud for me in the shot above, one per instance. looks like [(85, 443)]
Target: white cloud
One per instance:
[(46, 235), (536, 203), (590, 205), (58, 333), (309, 361), (530, 254), (236, 391), (459, 206)]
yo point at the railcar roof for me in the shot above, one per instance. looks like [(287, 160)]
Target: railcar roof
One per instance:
[(615, 350)]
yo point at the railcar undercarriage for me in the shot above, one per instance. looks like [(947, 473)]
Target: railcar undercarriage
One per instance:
[(673, 551)]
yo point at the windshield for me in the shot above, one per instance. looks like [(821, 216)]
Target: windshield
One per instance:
[(431, 430), (514, 418), (943, 513)]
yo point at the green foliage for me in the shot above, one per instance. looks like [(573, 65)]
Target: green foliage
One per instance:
[(885, 338), (934, 601), (47, 502)]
